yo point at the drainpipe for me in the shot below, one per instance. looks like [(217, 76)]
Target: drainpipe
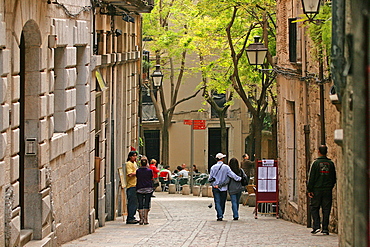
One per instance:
[(308, 163), (95, 42), (306, 130), (367, 81)]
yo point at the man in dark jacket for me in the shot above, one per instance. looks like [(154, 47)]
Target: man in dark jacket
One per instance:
[(248, 166), (322, 178)]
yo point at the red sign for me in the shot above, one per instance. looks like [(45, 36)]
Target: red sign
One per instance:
[(188, 122), (199, 124)]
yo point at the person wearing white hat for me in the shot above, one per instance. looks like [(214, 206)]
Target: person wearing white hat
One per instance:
[(220, 172)]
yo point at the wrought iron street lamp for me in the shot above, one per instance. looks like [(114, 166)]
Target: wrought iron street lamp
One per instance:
[(311, 8), (157, 76), (256, 52)]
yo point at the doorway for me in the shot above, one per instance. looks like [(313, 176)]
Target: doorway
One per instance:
[(30, 89), (214, 145), (152, 144), (291, 152)]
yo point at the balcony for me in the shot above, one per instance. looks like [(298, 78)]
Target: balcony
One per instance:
[(138, 6)]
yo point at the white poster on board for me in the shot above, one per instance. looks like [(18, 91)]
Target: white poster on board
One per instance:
[(271, 173), (271, 186), (262, 172), (262, 185)]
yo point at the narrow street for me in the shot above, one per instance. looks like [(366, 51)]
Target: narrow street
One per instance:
[(181, 220)]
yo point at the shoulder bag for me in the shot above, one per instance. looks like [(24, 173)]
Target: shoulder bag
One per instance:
[(244, 181)]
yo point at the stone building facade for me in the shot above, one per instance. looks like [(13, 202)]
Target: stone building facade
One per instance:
[(69, 74), (206, 141), (299, 119), (351, 74)]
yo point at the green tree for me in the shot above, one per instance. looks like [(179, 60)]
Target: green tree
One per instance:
[(209, 90), (219, 31), (167, 25), (233, 23)]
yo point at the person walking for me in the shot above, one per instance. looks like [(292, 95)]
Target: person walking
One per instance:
[(144, 190), (153, 166), (236, 188), (322, 178), (131, 167), (248, 166), (218, 175)]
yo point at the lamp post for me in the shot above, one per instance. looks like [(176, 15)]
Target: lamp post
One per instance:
[(256, 52), (311, 8), (157, 76)]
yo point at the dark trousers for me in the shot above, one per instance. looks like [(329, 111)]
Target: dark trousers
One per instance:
[(144, 200), (321, 199), (220, 201), (131, 203)]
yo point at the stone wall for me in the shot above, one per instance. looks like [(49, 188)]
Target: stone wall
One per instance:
[(48, 96), (70, 189), (44, 101), (354, 190), (299, 108)]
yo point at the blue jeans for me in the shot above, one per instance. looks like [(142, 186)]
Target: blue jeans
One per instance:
[(131, 203), (235, 204), (220, 201), (144, 200)]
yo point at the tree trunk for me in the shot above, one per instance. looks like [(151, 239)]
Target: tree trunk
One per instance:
[(251, 142), (165, 141), (258, 138), (223, 132), (274, 130)]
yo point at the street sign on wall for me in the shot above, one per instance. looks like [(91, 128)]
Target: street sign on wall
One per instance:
[(188, 122), (197, 124)]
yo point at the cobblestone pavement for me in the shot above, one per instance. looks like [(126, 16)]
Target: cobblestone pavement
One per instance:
[(186, 220)]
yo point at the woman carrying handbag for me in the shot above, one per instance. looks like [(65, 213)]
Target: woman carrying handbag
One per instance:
[(144, 190), (236, 188)]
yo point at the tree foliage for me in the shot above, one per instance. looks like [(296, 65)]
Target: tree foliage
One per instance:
[(236, 23), (320, 34), (168, 28), (219, 32)]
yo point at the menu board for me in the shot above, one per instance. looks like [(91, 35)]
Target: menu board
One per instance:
[(267, 182), (267, 175)]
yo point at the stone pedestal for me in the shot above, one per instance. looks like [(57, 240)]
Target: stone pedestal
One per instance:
[(171, 189), (158, 189), (196, 191), (251, 201), (204, 191), (243, 198), (185, 189)]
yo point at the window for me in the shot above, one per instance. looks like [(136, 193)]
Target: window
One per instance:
[(292, 40), (220, 100)]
